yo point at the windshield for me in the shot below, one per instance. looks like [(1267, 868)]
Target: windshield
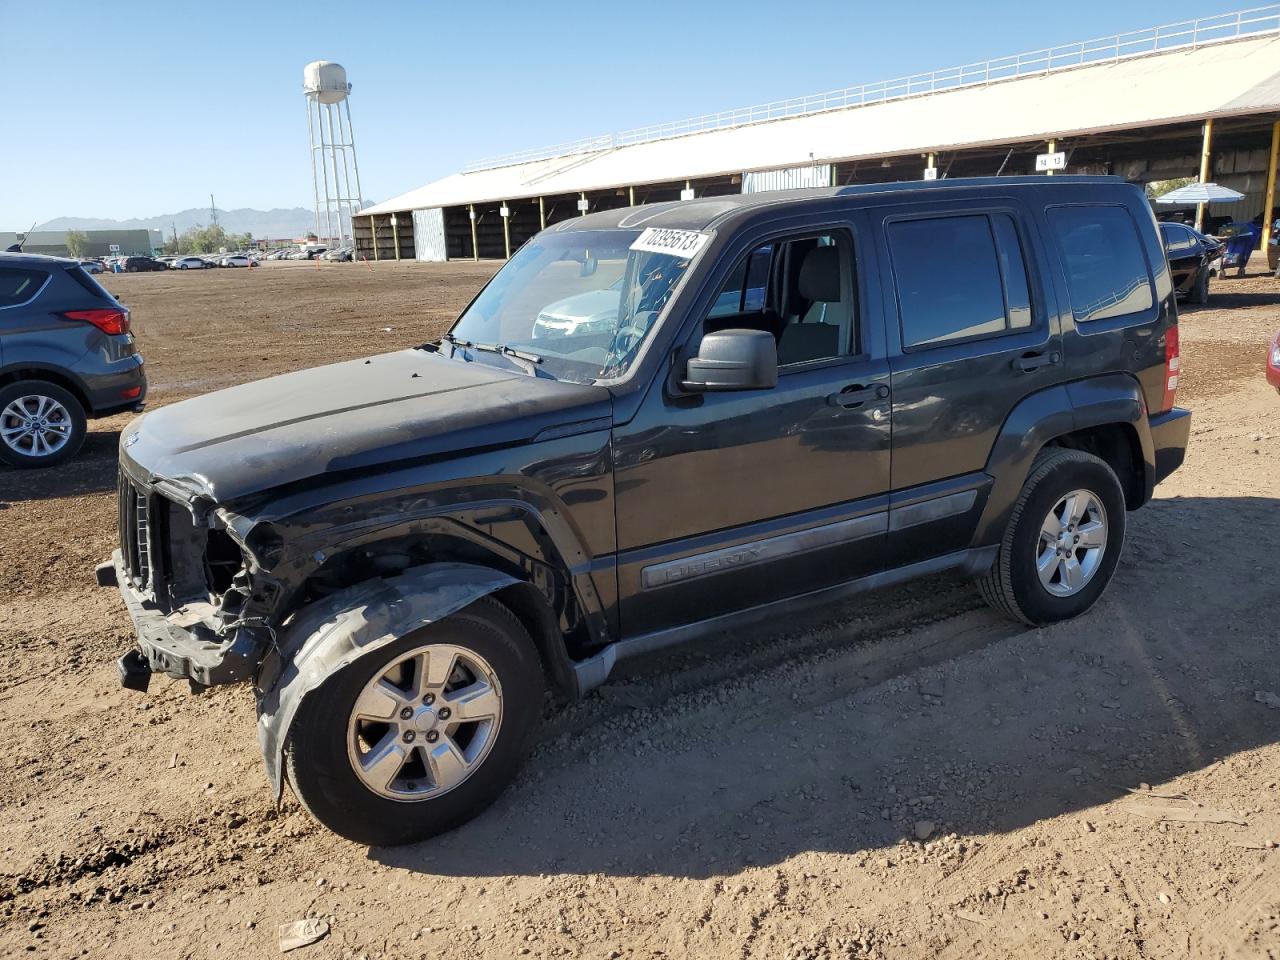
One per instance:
[(582, 302)]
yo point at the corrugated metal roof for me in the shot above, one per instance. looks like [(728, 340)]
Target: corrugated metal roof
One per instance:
[(1220, 79), (709, 213)]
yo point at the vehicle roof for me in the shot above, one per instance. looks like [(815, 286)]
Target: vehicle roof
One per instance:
[(707, 212), (33, 260)]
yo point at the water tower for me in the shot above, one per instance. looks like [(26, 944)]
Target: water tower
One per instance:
[(335, 175)]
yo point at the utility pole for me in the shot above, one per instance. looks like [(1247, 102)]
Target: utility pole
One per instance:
[(213, 211)]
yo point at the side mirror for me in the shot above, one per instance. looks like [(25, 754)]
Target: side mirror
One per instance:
[(734, 360)]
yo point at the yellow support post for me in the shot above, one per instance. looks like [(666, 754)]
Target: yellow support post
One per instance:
[(475, 249), (631, 196), (373, 230), (395, 234), (506, 228), (583, 197), (542, 213), (1053, 148), (1206, 148), (1267, 216)]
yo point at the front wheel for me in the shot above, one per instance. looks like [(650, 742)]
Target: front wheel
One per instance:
[(421, 735), (1063, 540)]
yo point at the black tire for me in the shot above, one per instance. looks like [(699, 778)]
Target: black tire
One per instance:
[(43, 388), (1012, 585), (1200, 292), (315, 753)]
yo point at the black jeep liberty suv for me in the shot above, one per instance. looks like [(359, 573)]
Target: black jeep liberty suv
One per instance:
[(652, 424)]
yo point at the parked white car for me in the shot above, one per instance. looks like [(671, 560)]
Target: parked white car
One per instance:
[(235, 260), (188, 263)]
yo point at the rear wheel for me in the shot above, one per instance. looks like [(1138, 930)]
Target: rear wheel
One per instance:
[(422, 735), (41, 424), (1063, 540)]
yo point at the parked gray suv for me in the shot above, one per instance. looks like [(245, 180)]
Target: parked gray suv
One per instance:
[(66, 354)]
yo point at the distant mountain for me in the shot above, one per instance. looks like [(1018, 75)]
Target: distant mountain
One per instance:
[(280, 223)]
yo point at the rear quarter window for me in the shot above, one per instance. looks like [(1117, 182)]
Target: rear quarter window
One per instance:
[(958, 277), (1107, 274), (85, 279), (18, 285)]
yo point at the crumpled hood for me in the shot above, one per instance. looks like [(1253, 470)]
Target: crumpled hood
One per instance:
[(356, 415)]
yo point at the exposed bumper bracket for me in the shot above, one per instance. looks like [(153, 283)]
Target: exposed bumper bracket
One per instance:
[(105, 574), (135, 671), (182, 652)]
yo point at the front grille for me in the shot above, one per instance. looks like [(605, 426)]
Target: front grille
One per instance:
[(136, 532)]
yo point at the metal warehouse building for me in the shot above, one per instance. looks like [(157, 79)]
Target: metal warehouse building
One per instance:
[(98, 243), (1195, 99)]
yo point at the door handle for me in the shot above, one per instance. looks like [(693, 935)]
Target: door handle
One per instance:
[(856, 395), (1034, 361)]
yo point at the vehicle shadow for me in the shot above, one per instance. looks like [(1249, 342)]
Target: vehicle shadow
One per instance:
[(1223, 297), (842, 735), (92, 470)]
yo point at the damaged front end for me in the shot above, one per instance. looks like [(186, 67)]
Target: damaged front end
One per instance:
[(192, 576)]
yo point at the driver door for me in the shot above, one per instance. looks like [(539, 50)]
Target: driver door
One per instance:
[(730, 500)]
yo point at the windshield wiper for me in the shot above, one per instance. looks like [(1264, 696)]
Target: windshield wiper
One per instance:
[(522, 358), (454, 342)]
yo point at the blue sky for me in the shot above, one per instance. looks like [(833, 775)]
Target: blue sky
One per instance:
[(121, 109)]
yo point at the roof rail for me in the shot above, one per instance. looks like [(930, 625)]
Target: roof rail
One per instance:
[(1171, 36)]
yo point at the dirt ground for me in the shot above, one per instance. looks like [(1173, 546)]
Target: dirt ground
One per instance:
[(1108, 787)]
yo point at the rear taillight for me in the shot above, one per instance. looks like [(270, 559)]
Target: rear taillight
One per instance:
[(1172, 366), (108, 321)]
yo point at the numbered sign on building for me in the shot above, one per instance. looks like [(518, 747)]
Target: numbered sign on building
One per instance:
[(1051, 161)]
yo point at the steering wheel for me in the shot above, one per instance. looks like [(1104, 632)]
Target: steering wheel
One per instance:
[(627, 339)]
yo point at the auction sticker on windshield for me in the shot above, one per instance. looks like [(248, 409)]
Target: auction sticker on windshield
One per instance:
[(678, 243)]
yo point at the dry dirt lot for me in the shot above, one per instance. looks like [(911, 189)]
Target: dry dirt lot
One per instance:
[(1104, 788)]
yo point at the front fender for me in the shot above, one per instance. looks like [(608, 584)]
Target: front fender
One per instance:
[(333, 633)]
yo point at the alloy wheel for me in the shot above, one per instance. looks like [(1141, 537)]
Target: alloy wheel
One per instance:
[(425, 722), (1073, 538), (35, 426)]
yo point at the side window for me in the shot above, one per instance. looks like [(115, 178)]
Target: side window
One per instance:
[(729, 300), (1107, 275), (1176, 239), (744, 290), (18, 286), (757, 279), (1013, 270), (958, 277), (801, 290)]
